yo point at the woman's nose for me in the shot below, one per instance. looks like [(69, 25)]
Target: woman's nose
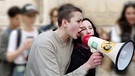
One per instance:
[(88, 31)]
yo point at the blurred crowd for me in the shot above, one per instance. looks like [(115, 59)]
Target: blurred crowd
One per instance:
[(17, 38)]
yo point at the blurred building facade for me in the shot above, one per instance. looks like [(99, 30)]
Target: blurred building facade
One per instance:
[(103, 13)]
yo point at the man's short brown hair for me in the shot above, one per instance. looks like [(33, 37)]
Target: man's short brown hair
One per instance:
[(65, 12)]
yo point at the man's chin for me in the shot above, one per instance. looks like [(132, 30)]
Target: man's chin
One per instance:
[(76, 37)]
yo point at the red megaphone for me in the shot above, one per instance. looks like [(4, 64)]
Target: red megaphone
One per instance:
[(86, 38)]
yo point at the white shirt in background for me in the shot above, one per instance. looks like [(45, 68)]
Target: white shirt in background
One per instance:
[(13, 43)]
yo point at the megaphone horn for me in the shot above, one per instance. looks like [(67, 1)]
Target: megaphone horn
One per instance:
[(120, 53)]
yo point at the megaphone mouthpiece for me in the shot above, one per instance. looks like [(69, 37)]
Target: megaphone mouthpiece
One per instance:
[(86, 38)]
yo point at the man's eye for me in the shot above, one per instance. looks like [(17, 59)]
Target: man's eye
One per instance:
[(79, 21)]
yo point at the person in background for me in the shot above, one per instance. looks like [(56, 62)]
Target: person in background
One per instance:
[(21, 39), (14, 14), (102, 34), (1, 29), (51, 51), (81, 51), (53, 17), (125, 30)]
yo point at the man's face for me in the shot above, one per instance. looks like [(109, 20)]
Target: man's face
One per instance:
[(15, 21), (29, 19), (54, 17), (74, 25)]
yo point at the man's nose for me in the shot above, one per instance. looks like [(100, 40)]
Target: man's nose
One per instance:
[(81, 26)]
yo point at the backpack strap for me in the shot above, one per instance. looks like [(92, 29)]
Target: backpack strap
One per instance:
[(18, 37), (19, 34)]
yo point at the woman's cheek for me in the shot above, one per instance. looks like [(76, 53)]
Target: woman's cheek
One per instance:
[(83, 33)]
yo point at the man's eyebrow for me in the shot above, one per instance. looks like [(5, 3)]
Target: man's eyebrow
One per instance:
[(79, 19)]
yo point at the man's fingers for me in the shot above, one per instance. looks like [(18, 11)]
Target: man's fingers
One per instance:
[(96, 53)]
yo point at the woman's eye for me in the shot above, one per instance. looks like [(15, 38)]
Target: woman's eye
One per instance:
[(83, 28), (90, 28)]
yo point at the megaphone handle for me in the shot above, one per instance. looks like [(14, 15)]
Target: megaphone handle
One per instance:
[(93, 50)]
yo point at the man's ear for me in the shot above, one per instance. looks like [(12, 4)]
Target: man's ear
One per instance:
[(64, 22)]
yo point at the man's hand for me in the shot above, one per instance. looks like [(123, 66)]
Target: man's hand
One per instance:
[(94, 60), (27, 44)]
